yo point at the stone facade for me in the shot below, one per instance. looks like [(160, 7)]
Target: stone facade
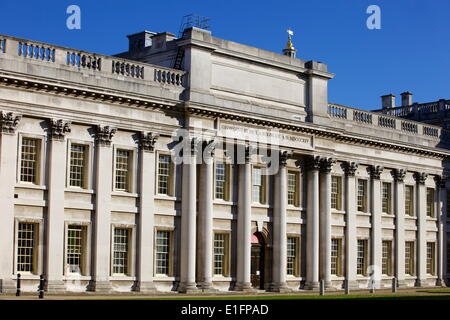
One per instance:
[(83, 175)]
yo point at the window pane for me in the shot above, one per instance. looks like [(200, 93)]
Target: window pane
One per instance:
[(221, 181), (75, 242), (387, 258), (409, 257), (430, 258), (29, 160), (362, 257), (164, 174), (120, 258), (122, 170), (336, 256), (430, 202), (257, 185), (362, 195), (386, 197), (336, 193), (162, 252), (292, 243), (77, 165), (25, 247), (220, 254), (409, 200)]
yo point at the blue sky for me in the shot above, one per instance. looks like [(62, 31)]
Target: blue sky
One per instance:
[(410, 52)]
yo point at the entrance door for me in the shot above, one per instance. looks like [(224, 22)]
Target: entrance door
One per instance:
[(257, 261)]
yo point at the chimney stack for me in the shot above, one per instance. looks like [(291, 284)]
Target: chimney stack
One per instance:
[(388, 101), (406, 99)]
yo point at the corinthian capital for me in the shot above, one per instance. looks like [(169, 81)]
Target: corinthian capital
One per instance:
[(9, 122), (104, 135), (58, 129), (148, 140)]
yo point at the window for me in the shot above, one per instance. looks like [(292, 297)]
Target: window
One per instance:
[(431, 258), (386, 263), (292, 187), (222, 181), (123, 158), (120, 254), (164, 174), (409, 257), (29, 163), (336, 256), (163, 247), (409, 200), (430, 202), (362, 257), (26, 247), (362, 195), (78, 160), (258, 185), (386, 194), (75, 249), (221, 254), (292, 256), (336, 193)]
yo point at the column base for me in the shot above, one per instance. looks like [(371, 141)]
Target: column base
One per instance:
[(245, 286), (8, 286), (101, 286), (207, 287), (55, 286), (352, 285), (401, 283), (440, 283), (280, 287), (312, 285), (146, 287), (328, 285), (420, 283), (190, 287)]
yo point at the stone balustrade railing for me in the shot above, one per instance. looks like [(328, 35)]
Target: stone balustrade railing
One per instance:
[(417, 109), (383, 121), (98, 64)]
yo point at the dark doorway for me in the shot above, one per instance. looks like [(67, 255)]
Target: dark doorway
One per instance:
[(257, 261)]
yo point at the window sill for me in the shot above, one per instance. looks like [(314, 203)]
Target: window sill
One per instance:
[(124, 194), (165, 197), (27, 276), (121, 277), (79, 190), (219, 278), (388, 215), (293, 208), (293, 278), (164, 278), (30, 186), (259, 205), (337, 278), (223, 202), (432, 219), (337, 211), (360, 213), (76, 277), (410, 217)]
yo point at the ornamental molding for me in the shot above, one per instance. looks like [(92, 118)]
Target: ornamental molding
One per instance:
[(420, 177), (314, 163), (147, 141), (58, 129), (326, 164), (284, 156), (350, 168), (398, 174), (9, 122), (104, 135), (375, 172)]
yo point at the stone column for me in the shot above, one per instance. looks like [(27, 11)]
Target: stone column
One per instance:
[(441, 215), (205, 217), (146, 212), (421, 209), (376, 210), (279, 226), (188, 219), (55, 210), (399, 211), (350, 224), (8, 165), (312, 224), (325, 219), (244, 223), (102, 214)]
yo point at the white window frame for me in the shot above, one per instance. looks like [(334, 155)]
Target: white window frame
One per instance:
[(172, 251), (341, 194), (227, 259), (131, 250), (228, 183), (40, 170), (85, 270), (39, 246), (297, 201), (265, 185), (391, 199), (172, 175), (131, 170), (89, 164), (297, 264)]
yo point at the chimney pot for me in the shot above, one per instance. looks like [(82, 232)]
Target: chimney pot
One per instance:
[(388, 101), (406, 99)]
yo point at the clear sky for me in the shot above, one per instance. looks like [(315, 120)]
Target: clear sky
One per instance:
[(410, 52)]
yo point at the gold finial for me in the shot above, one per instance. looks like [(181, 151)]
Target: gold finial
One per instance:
[(289, 50)]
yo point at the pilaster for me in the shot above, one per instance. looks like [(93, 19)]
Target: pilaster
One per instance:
[(376, 232), (399, 211), (421, 214)]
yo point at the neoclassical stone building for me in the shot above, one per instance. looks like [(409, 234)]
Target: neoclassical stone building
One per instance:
[(95, 197)]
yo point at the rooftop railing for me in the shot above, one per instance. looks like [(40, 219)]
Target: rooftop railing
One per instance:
[(416, 110), (100, 65), (383, 121)]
